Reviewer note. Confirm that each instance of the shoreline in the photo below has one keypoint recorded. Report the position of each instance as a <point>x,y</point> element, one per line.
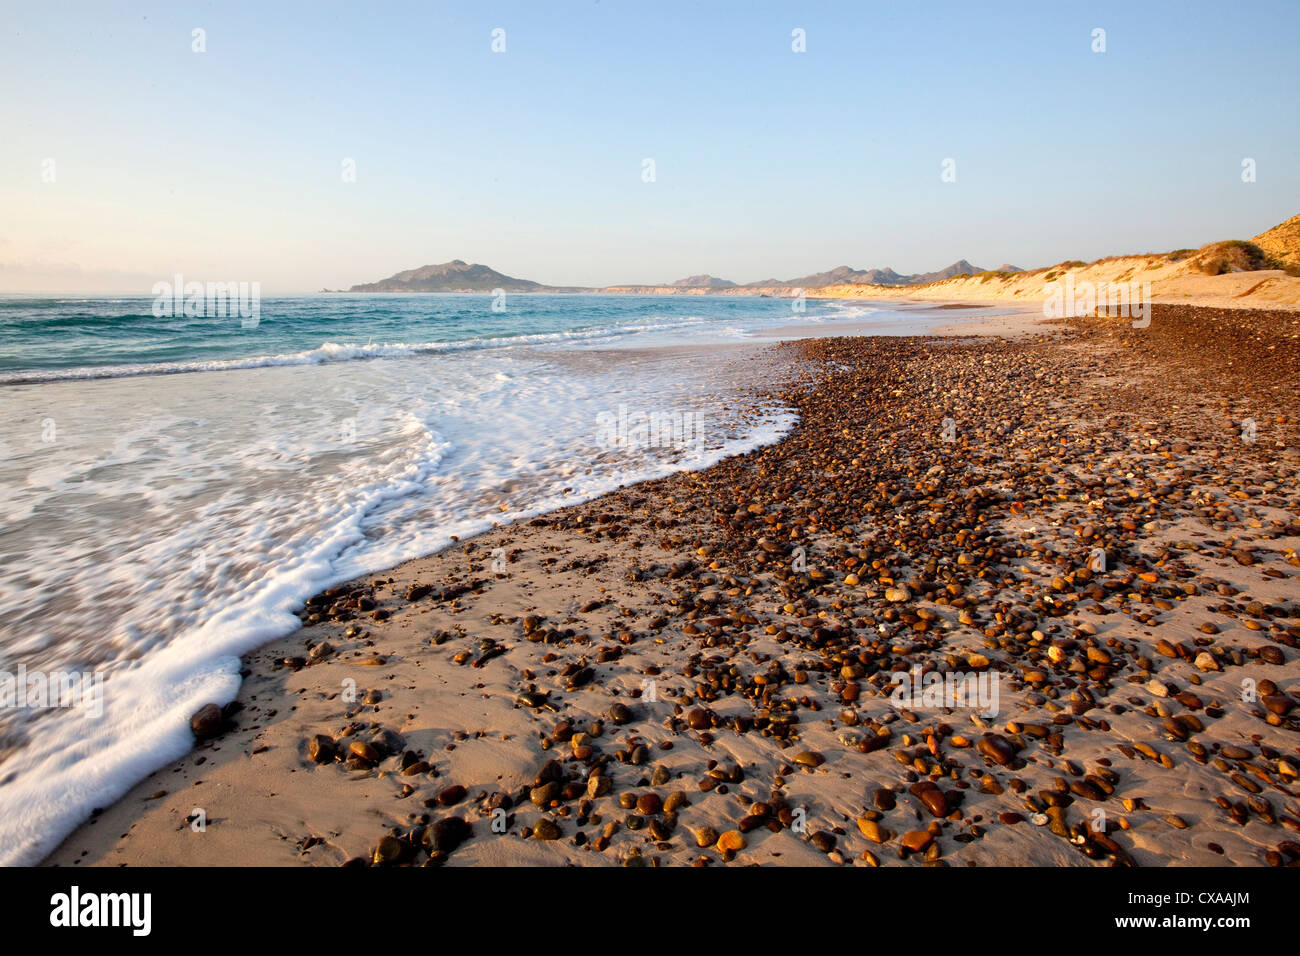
<point>1171,281</point>
<point>622,594</point>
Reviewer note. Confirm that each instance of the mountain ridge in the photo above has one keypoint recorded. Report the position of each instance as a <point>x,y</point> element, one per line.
<point>454,276</point>
<point>460,276</point>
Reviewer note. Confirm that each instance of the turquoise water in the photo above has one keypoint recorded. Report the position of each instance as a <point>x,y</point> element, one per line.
<point>43,338</point>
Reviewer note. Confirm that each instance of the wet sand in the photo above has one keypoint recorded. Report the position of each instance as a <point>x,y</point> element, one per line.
<point>700,670</point>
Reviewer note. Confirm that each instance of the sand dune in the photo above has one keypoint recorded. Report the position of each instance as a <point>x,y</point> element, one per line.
<point>1171,283</point>
<point>1220,275</point>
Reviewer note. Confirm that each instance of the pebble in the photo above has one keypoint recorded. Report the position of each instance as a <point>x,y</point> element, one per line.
<point>823,841</point>
<point>320,748</point>
<point>705,836</point>
<point>914,841</point>
<point>997,748</point>
<point>365,751</point>
<point>911,564</point>
<point>873,831</point>
<point>207,722</point>
<point>541,796</point>
<point>732,841</point>
<point>699,719</point>
<point>546,829</point>
<point>675,801</point>
<point>389,850</point>
<point>451,796</point>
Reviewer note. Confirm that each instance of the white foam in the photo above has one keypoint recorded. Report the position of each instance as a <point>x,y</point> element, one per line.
<point>249,470</point>
<point>341,352</point>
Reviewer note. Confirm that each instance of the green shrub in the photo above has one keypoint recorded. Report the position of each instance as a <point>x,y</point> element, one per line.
<point>1234,255</point>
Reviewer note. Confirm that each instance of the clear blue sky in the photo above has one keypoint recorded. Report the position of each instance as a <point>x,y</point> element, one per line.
<point>769,163</point>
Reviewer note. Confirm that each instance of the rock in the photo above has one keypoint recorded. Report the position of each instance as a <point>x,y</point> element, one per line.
<point>898,595</point>
<point>706,836</point>
<point>648,804</point>
<point>546,829</point>
<point>581,677</point>
<point>1278,704</point>
<point>733,841</point>
<point>914,841</point>
<point>446,835</point>
<point>542,795</point>
<point>206,722</point>
<point>1056,822</point>
<point>451,796</point>
<point>1087,790</point>
<point>675,801</point>
<point>809,758</point>
<point>873,831</point>
<point>320,749</point>
<point>932,797</point>
<point>620,714</point>
<point>997,748</point>
<point>365,751</point>
<point>699,719</point>
<point>390,850</point>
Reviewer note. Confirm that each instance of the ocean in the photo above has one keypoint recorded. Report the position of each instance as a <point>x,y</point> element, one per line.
<point>175,487</point>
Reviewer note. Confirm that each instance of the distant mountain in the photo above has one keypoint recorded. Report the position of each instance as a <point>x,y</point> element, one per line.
<point>454,276</point>
<point>459,276</point>
<point>959,268</point>
<point>837,276</point>
<point>703,281</point>
<point>1005,267</point>
<point>842,275</point>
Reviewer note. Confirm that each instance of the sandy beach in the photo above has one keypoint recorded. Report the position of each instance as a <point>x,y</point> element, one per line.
<point>1096,523</point>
